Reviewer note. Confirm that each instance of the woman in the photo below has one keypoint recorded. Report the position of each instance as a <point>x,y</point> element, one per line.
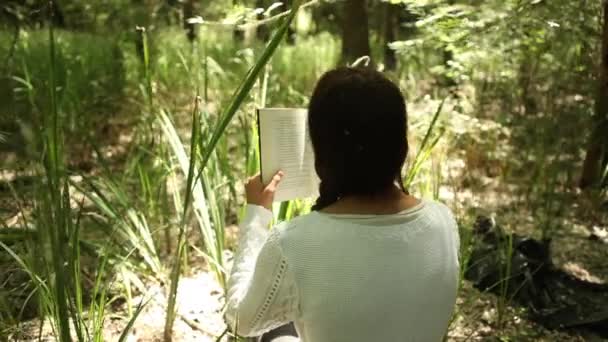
<point>370,262</point>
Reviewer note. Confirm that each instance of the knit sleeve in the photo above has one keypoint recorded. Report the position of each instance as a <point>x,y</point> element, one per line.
<point>261,292</point>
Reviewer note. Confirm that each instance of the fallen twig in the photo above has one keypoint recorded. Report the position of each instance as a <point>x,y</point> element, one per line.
<point>197,326</point>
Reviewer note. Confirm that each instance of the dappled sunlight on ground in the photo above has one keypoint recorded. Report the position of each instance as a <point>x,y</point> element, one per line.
<point>199,302</point>
<point>199,315</point>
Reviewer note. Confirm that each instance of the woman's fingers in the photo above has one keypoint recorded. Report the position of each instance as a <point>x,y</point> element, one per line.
<point>274,182</point>
<point>260,194</point>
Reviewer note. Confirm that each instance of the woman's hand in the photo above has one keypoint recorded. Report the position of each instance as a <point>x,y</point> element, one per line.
<point>260,194</point>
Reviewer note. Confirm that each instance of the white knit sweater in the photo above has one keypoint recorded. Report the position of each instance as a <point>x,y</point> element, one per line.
<point>347,277</point>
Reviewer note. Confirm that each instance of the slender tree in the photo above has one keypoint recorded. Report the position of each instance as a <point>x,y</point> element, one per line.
<point>262,31</point>
<point>391,22</point>
<point>291,32</point>
<point>13,19</point>
<point>596,159</point>
<point>448,57</point>
<point>355,30</point>
<point>190,28</point>
<point>237,34</point>
<point>325,18</point>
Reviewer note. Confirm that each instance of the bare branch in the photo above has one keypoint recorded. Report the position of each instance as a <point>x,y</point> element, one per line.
<point>254,24</point>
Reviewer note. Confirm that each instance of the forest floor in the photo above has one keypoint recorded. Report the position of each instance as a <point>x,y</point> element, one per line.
<point>200,297</point>
<point>200,301</point>
<point>199,319</point>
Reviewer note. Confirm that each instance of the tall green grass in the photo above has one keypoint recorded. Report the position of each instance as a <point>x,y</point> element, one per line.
<point>201,153</point>
<point>53,262</point>
<point>126,226</point>
<point>135,210</point>
<point>181,242</point>
<point>424,151</point>
<point>90,80</point>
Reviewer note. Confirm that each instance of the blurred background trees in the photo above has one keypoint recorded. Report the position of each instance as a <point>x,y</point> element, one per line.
<point>537,67</point>
<point>596,160</point>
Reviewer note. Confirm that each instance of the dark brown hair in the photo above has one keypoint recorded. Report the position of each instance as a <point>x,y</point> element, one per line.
<point>358,128</point>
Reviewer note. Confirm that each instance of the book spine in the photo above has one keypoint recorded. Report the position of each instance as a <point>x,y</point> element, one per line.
<point>257,112</point>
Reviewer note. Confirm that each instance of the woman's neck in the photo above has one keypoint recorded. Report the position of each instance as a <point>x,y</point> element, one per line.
<point>388,202</point>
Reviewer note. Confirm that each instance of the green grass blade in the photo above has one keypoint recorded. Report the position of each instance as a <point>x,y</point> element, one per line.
<point>284,210</point>
<point>243,90</point>
<point>40,283</point>
<point>54,203</point>
<point>429,131</point>
<point>425,149</point>
<point>125,333</point>
<point>181,243</point>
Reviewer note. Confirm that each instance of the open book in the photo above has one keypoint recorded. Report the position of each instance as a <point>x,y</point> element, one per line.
<point>285,145</point>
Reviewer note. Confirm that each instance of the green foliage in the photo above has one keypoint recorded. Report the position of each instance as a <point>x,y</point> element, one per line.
<point>425,149</point>
<point>53,261</point>
<point>488,41</point>
<point>88,80</point>
<point>312,56</point>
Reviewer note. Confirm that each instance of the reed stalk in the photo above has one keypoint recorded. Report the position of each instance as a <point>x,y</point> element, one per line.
<point>426,148</point>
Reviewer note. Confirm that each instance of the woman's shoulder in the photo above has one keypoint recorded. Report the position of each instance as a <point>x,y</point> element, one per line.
<point>292,232</point>
<point>439,208</point>
<point>435,211</point>
<point>445,217</point>
<point>298,222</point>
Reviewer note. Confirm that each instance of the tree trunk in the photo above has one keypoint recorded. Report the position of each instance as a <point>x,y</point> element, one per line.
<point>237,35</point>
<point>291,32</point>
<point>5,67</point>
<point>139,46</point>
<point>189,13</point>
<point>58,17</point>
<point>262,31</point>
<point>448,56</point>
<point>597,151</point>
<point>391,21</point>
<point>355,31</point>
<point>326,18</point>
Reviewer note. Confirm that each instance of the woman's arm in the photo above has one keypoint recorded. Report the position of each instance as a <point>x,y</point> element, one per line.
<point>261,293</point>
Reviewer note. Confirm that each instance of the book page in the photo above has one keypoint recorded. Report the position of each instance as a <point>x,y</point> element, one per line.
<point>285,145</point>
